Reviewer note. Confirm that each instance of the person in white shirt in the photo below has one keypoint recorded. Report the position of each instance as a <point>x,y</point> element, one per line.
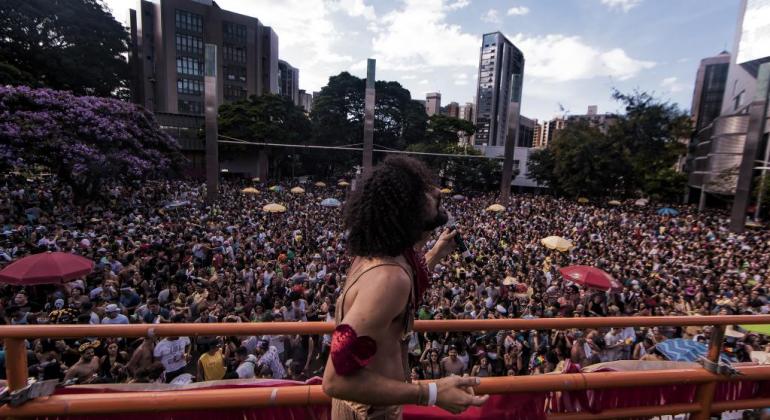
<point>247,363</point>
<point>173,353</point>
<point>113,315</point>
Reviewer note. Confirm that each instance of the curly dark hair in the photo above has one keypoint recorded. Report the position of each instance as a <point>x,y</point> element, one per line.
<point>386,214</point>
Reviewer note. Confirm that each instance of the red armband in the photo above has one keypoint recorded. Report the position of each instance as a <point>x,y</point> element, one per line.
<point>349,352</point>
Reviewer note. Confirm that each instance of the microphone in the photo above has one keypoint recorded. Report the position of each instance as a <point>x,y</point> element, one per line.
<point>459,242</point>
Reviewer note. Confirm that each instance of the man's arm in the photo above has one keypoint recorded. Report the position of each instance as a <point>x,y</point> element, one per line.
<point>376,305</point>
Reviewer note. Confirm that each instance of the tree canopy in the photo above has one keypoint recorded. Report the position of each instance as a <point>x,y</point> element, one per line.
<point>338,113</point>
<point>83,139</point>
<point>72,45</point>
<point>635,155</point>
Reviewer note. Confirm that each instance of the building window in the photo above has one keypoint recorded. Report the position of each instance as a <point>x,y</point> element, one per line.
<point>189,44</point>
<point>234,32</point>
<point>188,21</point>
<point>189,86</point>
<point>234,54</point>
<point>235,73</point>
<point>188,65</point>
<point>189,107</point>
<point>234,92</point>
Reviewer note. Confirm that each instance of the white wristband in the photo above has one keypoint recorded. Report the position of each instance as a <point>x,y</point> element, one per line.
<point>432,394</point>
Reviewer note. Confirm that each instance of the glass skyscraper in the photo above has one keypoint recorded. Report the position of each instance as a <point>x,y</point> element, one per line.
<point>501,72</point>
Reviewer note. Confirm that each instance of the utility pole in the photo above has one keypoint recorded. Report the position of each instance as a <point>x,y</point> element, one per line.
<point>212,130</point>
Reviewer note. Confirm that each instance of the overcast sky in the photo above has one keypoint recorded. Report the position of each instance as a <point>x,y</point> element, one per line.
<point>576,51</point>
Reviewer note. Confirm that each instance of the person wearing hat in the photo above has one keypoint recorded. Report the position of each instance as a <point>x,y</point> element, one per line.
<point>211,364</point>
<point>113,315</point>
<point>86,369</point>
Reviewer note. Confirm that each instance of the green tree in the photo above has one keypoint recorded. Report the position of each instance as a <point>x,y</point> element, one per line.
<point>338,119</point>
<point>266,118</point>
<point>637,154</point>
<point>65,44</point>
<point>473,174</point>
<point>580,161</point>
<point>338,113</point>
<point>650,133</point>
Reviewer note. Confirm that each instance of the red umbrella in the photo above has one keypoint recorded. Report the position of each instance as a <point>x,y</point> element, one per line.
<point>590,277</point>
<point>46,268</point>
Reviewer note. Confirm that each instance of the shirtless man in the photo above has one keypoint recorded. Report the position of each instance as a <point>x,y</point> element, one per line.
<point>86,368</point>
<point>389,218</point>
<point>142,357</point>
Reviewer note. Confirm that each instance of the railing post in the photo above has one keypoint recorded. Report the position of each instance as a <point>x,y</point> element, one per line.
<point>16,363</point>
<point>705,394</point>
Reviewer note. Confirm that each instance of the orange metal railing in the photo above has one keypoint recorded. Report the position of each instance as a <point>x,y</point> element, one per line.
<point>136,402</point>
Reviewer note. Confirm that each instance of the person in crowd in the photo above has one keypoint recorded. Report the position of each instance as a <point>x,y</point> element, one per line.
<point>86,369</point>
<point>174,353</point>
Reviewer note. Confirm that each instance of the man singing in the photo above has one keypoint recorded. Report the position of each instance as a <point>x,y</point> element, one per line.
<point>389,218</point>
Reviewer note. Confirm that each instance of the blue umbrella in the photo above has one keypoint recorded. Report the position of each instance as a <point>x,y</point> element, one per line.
<point>683,350</point>
<point>331,202</point>
<point>668,211</point>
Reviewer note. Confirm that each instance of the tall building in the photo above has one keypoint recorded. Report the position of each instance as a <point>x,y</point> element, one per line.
<point>592,110</point>
<point>466,112</point>
<point>723,153</point>
<point>526,133</point>
<point>537,135</point>
<point>288,81</point>
<point>501,72</point>
<point>433,103</point>
<point>168,39</point>
<point>305,100</point>
<point>550,129</point>
<point>710,82</point>
<point>453,110</point>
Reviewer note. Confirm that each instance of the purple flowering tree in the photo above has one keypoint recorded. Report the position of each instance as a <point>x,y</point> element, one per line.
<point>85,140</point>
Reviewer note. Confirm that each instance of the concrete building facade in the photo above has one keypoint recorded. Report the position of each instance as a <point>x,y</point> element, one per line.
<point>526,133</point>
<point>453,110</point>
<point>306,100</point>
<point>288,81</point>
<point>433,103</point>
<point>718,150</point>
<point>168,38</point>
<point>710,83</point>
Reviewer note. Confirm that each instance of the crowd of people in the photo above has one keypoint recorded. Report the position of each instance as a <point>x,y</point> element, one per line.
<point>163,256</point>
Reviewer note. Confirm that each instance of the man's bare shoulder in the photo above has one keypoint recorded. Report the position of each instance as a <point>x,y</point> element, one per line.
<point>384,290</point>
<point>388,277</point>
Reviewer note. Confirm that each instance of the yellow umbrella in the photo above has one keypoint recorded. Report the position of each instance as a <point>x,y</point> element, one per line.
<point>614,203</point>
<point>445,191</point>
<point>582,200</point>
<point>320,184</point>
<point>255,179</point>
<point>343,183</point>
<point>558,243</point>
<point>273,208</point>
<point>297,190</point>
<point>495,208</point>
<point>250,190</point>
